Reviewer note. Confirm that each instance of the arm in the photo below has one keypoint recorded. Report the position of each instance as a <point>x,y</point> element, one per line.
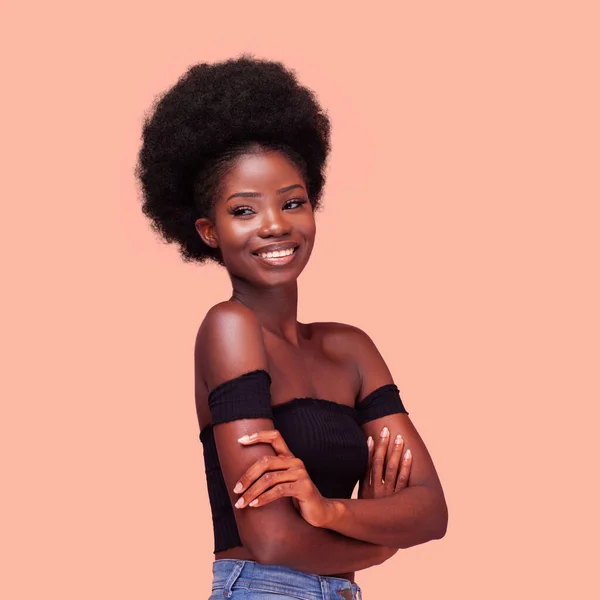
<point>230,343</point>
<point>415,514</point>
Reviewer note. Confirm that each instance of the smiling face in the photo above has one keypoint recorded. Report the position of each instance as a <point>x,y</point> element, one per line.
<point>263,221</point>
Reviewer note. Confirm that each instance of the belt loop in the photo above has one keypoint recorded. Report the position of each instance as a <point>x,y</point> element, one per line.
<point>233,577</point>
<point>324,586</point>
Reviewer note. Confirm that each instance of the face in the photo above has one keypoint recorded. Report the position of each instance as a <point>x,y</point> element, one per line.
<point>263,221</point>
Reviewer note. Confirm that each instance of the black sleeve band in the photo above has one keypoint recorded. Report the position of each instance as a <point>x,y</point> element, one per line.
<point>381,402</point>
<point>245,397</point>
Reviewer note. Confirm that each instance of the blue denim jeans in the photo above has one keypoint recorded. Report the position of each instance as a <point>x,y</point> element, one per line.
<point>248,580</point>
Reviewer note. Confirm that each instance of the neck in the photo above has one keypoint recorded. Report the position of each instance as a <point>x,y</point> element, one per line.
<point>275,308</point>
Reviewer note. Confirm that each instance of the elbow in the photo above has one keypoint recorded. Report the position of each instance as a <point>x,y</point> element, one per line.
<point>266,553</point>
<point>432,526</point>
<point>437,517</point>
<point>275,555</point>
<point>268,540</point>
<point>268,550</point>
<point>440,521</point>
<point>440,531</point>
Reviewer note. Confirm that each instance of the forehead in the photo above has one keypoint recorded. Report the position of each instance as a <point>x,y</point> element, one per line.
<point>262,172</point>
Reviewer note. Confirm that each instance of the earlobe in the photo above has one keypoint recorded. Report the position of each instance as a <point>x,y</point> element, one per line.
<point>206,231</point>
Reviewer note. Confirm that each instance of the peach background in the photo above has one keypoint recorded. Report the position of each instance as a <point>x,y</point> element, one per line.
<point>460,230</point>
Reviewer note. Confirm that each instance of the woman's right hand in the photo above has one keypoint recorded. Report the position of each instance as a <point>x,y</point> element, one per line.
<point>378,483</point>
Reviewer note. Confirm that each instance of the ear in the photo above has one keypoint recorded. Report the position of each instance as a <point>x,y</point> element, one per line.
<point>206,231</point>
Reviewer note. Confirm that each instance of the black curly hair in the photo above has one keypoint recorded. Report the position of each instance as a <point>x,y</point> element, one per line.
<point>212,115</point>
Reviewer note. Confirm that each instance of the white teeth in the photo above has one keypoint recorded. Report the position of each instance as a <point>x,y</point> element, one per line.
<point>277,253</point>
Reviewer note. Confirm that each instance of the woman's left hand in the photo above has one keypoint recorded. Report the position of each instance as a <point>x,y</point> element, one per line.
<point>274,477</point>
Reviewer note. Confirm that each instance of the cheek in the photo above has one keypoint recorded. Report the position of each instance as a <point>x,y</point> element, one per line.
<point>311,228</point>
<point>235,236</point>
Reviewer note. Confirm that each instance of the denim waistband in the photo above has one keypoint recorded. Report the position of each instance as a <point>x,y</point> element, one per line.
<point>230,574</point>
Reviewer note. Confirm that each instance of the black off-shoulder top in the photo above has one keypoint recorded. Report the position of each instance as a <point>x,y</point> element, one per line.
<point>325,435</point>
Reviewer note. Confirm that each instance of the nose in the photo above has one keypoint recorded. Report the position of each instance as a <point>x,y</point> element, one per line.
<point>274,223</point>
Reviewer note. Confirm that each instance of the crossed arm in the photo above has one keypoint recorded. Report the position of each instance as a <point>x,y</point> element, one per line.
<point>356,536</point>
<point>415,514</point>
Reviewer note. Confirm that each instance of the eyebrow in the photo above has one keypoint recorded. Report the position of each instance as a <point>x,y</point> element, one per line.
<point>282,190</point>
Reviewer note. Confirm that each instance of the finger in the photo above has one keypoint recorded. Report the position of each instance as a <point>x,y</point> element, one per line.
<point>404,471</point>
<point>261,466</point>
<point>391,469</point>
<point>282,490</point>
<point>379,456</point>
<point>364,489</point>
<point>267,481</point>
<point>267,436</point>
<point>370,446</point>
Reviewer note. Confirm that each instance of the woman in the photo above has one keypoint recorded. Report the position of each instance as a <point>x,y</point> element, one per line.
<point>232,169</point>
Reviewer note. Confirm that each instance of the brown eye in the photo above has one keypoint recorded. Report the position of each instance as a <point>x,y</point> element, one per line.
<point>297,203</point>
<point>241,211</point>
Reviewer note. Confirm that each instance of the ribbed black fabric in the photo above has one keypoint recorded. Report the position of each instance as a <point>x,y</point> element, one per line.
<point>245,397</point>
<point>383,401</point>
<point>225,530</point>
<point>325,435</point>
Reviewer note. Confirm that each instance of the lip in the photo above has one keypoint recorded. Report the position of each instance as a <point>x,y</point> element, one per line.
<point>280,261</point>
<point>276,247</point>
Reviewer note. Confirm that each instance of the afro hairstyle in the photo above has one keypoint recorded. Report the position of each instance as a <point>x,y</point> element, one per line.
<point>212,115</point>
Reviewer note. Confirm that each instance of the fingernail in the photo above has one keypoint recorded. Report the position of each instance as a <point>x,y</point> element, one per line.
<point>238,488</point>
<point>398,440</point>
<point>239,503</point>
<point>254,502</point>
<point>370,442</point>
<point>407,455</point>
<point>384,432</point>
<point>244,438</point>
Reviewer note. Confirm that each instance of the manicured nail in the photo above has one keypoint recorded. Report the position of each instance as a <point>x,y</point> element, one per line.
<point>240,502</point>
<point>398,440</point>
<point>370,442</point>
<point>244,438</point>
<point>254,502</point>
<point>238,488</point>
<point>384,432</point>
<point>407,455</point>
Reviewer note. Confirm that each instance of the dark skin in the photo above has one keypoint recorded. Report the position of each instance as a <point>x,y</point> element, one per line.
<point>263,200</point>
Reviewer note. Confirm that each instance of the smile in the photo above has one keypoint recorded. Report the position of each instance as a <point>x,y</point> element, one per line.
<point>278,258</point>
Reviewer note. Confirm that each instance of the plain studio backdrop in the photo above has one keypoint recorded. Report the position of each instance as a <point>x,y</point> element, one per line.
<point>460,230</point>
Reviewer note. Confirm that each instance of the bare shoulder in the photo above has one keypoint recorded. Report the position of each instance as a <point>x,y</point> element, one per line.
<point>229,343</point>
<point>342,337</point>
<point>225,315</point>
<point>352,344</point>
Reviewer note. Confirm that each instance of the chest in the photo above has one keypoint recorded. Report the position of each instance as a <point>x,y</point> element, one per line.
<point>310,372</point>
<point>327,438</point>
